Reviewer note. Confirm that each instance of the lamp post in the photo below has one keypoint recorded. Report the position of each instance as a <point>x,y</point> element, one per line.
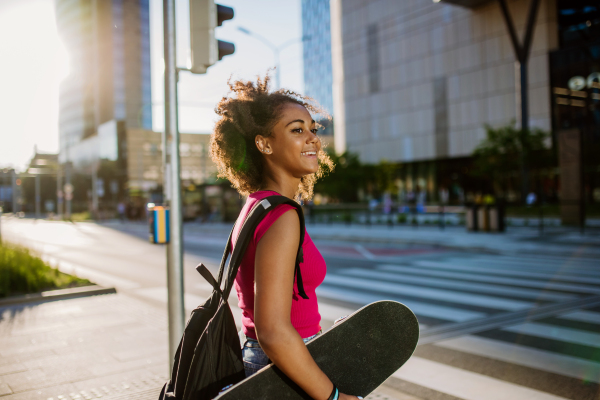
<point>276,49</point>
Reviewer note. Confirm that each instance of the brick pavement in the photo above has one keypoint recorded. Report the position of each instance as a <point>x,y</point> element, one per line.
<point>95,347</point>
<point>109,346</point>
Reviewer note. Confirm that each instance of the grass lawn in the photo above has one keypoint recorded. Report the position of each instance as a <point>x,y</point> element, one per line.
<point>22,272</point>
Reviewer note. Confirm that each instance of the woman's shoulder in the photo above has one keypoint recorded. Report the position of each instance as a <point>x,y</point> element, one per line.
<point>272,216</point>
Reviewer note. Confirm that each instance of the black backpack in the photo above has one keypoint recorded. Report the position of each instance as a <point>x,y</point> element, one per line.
<point>209,356</point>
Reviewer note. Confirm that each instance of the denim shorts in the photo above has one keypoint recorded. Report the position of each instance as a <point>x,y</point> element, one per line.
<point>254,357</point>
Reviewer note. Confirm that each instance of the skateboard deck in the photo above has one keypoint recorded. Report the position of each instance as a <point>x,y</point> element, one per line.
<point>358,354</point>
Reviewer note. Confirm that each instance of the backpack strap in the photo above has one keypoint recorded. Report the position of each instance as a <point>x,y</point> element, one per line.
<point>255,216</point>
<point>226,253</point>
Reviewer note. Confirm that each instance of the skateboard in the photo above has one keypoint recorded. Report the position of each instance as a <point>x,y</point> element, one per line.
<point>358,354</point>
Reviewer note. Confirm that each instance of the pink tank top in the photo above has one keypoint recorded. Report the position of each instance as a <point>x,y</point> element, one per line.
<point>305,315</point>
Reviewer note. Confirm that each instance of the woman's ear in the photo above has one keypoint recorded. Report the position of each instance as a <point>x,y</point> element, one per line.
<point>262,144</point>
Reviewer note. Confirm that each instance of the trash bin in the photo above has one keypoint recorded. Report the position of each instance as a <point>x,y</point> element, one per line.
<point>483,220</point>
<point>158,223</point>
<point>471,218</point>
<point>496,218</point>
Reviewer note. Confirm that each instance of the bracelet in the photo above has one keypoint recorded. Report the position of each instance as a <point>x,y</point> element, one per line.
<point>334,394</point>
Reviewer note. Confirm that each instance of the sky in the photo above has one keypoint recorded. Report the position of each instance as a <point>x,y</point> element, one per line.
<point>34,61</point>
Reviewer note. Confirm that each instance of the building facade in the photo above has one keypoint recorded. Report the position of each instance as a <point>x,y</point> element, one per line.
<point>108,43</point>
<point>417,81</point>
<point>318,77</point>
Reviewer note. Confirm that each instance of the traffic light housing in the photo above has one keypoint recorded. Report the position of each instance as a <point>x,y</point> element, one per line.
<point>205,16</point>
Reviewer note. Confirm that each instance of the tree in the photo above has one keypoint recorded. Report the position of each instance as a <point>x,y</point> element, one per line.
<point>498,156</point>
<point>344,181</point>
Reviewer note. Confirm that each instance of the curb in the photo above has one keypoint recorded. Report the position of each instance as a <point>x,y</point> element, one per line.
<point>60,294</point>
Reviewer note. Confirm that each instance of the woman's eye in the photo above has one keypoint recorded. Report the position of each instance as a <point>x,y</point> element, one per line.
<point>299,130</point>
<point>314,131</point>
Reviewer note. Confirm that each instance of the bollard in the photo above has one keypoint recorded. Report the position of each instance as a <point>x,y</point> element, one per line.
<point>471,218</point>
<point>483,219</point>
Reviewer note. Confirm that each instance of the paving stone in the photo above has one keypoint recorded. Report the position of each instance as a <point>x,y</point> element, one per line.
<point>12,368</point>
<point>4,389</point>
<point>42,394</point>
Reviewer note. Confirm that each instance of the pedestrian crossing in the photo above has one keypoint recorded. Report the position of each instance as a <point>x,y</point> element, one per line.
<point>554,357</point>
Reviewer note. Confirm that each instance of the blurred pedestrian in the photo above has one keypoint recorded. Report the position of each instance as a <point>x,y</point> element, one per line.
<point>531,199</point>
<point>121,211</point>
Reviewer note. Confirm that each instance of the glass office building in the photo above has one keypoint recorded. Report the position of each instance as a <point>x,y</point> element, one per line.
<point>317,54</point>
<point>108,43</point>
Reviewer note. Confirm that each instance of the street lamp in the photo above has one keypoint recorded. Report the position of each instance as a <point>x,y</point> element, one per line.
<point>276,49</point>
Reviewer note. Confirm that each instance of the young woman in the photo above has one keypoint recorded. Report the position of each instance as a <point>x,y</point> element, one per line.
<point>265,143</point>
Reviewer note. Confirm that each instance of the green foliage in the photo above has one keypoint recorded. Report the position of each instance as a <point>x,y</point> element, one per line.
<point>22,273</point>
<point>401,218</point>
<point>382,177</point>
<point>350,176</point>
<point>345,180</point>
<point>82,216</point>
<point>499,155</point>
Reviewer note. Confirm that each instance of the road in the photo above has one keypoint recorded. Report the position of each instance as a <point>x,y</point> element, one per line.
<point>492,326</point>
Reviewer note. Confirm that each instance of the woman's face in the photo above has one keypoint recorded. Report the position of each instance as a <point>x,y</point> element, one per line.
<point>294,145</point>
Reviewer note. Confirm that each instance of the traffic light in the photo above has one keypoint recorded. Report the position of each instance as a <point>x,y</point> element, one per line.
<point>205,16</point>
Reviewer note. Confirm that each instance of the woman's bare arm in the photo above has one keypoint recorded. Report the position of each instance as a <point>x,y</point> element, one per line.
<point>274,279</point>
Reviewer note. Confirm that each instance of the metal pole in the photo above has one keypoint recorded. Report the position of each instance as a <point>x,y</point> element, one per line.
<point>37,197</point>
<point>59,192</point>
<point>277,69</point>
<point>95,190</point>
<point>174,253</point>
<point>522,55</point>
<point>524,125</point>
<point>68,196</point>
<point>14,192</point>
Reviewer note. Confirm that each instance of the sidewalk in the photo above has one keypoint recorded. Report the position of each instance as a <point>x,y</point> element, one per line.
<point>106,346</point>
<point>109,346</point>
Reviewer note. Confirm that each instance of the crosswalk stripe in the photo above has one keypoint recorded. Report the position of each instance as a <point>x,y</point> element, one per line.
<point>579,261</point>
<point>526,356</point>
<point>541,266</point>
<point>506,271</point>
<point>364,252</point>
<point>556,333</point>
<point>469,286</point>
<point>583,316</point>
<point>577,288</point>
<point>426,293</point>
<point>419,308</point>
<point>465,384</point>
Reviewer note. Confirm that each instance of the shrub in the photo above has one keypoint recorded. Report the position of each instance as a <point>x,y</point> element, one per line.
<point>22,273</point>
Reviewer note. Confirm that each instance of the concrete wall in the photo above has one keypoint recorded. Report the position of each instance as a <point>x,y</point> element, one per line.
<point>441,72</point>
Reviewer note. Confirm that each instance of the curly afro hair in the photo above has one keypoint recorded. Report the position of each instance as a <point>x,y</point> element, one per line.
<point>250,109</point>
